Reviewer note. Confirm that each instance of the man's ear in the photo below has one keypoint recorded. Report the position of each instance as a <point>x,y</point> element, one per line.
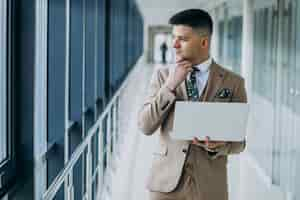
<point>204,42</point>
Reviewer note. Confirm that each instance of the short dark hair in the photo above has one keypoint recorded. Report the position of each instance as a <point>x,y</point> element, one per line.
<point>195,18</point>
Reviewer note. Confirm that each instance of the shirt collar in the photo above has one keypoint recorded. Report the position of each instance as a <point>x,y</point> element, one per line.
<point>204,66</point>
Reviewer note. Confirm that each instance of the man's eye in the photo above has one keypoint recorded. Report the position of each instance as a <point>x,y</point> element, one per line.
<point>184,38</point>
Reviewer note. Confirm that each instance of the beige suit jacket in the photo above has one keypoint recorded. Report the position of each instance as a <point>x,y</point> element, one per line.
<point>158,112</point>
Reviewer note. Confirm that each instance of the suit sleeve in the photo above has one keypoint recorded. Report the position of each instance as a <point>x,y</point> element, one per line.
<point>156,106</point>
<point>239,95</point>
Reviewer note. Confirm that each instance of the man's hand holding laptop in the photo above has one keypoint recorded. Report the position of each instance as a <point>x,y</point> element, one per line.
<point>208,144</point>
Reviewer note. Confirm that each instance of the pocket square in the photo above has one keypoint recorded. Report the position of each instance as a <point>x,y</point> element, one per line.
<point>224,93</point>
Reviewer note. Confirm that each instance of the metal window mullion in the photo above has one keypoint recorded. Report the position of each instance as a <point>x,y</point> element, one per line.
<point>117,122</point>
<point>96,77</point>
<point>68,184</point>
<point>278,102</point>
<point>40,98</point>
<point>100,159</point>
<point>1,179</point>
<point>67,81</point>
<point>83,108</point>
<point>114,127</point>
<point>118,119</point>
<point>89,171</point>
<point>293,159</point>
<point>96,61</point>
<point>108,138</point>
<point>292,147</point>
<point>3,79</point>
<point>95,174</point>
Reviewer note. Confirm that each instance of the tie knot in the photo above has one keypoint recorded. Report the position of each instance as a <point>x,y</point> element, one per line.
<point>195,69</point>
<point>193,74</point>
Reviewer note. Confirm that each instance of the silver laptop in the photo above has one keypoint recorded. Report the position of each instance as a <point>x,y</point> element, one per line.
<point>219,121</point>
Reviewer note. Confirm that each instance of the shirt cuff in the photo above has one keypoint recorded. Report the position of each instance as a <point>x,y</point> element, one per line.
<point>167,97</point>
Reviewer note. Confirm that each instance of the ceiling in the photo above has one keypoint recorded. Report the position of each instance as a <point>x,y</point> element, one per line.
<point>157,12</point>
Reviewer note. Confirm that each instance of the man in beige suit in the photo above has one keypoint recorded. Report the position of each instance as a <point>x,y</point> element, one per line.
<point>189,170</point>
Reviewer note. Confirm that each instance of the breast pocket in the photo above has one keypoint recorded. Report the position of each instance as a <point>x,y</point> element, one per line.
<point>218,99</point>
<point>223,95</point>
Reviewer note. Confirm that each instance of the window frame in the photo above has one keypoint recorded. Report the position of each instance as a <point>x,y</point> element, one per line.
<point>8,165</point>
<point>5,68</point>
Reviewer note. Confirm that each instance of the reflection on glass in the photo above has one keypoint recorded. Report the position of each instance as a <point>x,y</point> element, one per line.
<point>262,118</point>
<point>235,25</point>
<point>286,148</point>
<point>233,40</point>
<point>221,41</point>
<point>3,133</point>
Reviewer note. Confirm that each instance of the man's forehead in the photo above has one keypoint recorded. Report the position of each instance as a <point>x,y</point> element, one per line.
<point>182,30</point>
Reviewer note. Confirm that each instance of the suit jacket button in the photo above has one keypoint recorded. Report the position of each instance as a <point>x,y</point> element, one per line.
<point>184,150</point>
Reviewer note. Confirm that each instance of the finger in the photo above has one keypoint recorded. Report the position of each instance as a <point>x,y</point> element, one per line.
<point>212,145</point>
<point>221,143</point>
<point>190,69</point>
<point>179,59</point>
<point>187,64</point>
<point>184,64</point>
<point>206,140</point>
<point>194,141</point>
<point>217,144</point>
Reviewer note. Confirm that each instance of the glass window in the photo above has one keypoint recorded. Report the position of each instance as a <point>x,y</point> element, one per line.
<point>296,152</point>
<point>56,87</point>
<point>3,81</point>
<point>235,25</point>
<point>221,40</point>
<point>264,69</point>
<point>286,135</point>
<point>297,84</point>
<point>278,158</point>
<point>89,53</point>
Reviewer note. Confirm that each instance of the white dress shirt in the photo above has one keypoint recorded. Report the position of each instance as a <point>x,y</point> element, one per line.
<point>202,74</point>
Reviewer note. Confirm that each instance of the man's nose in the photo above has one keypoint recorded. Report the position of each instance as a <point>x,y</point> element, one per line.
<point>176,44</point>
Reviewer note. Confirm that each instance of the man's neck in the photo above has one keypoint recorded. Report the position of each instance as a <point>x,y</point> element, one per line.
<point>201,60</point>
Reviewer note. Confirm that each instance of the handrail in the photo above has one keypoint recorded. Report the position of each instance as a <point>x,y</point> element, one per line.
<point>62,176</point>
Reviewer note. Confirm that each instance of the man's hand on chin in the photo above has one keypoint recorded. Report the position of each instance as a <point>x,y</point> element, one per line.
<point>208,144</point>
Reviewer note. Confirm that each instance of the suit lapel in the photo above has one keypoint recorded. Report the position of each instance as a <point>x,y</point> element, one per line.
<point>183,91</point>
<point>215,79</point>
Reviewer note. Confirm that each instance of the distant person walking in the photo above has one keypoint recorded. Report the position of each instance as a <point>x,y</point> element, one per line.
<point>163,49</point>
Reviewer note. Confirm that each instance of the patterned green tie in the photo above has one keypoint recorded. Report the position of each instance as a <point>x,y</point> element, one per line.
<point>191,87</point>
